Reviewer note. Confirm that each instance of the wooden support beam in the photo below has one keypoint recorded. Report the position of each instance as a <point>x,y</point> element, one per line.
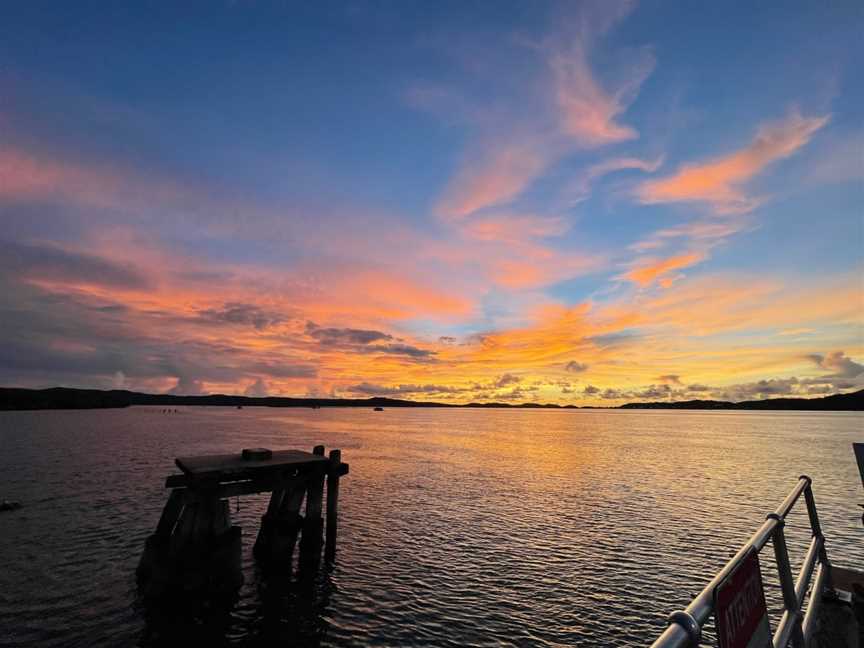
<point>184,531</point>
<point>334,471</point>
<point>278,534</point>
<point>170,515</point>
<point>209,508</point>
<point>235,488</point>
<point>313,525</point>
<point>283,490</point>
<point>222,519</point>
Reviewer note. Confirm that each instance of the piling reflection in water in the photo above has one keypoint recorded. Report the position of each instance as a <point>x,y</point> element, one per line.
<point>290,609</point>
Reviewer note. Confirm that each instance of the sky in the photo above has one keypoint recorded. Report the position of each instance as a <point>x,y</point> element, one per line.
<point>580,203</point>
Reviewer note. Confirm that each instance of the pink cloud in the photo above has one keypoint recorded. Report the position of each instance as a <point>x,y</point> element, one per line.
<point>515,228</point>
<point>567,110</point>
<point>25,176</point>
<point>580,188</point>
<point>587,111</point>
<point>719,182</point>
<point>495,175</point>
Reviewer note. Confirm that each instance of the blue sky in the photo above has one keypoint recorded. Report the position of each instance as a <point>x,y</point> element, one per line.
<point>524,178</point>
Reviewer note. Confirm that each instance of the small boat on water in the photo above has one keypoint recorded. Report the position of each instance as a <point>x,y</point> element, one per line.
<point>6,505</point>
<point>379,409</point>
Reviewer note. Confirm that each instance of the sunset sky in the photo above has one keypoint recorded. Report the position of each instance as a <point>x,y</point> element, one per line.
<point>586,203</point>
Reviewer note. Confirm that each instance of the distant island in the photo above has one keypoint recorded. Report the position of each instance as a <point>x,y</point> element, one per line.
<point>12,398</point>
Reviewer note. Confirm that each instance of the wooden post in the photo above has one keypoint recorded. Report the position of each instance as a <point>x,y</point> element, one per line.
<point>284,527</point>
<point>313,525</point>
<point>333,470</point>
<point>170,514</point>
<point>184,534</point>
<point>265,531</point>
<point>222,521</point>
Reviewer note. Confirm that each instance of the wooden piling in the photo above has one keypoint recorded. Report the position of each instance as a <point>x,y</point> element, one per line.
<point>313,525</point>
<point>170,514</point>
<point>262,541</point>
<point>333,474</point>
<point>195,547</point>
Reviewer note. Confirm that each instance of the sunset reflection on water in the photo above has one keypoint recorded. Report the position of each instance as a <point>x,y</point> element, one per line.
<point>458,527</point>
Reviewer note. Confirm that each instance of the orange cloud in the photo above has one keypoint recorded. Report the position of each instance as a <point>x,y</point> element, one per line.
<point>647,273</point>
<point>495,175</point>
<point>719,182</point>
<point>514,228</point>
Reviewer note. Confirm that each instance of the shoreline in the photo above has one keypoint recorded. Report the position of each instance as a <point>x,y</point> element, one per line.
<point>63,398</point>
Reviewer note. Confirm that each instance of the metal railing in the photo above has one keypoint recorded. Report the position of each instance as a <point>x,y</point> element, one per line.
<point>796,625</point>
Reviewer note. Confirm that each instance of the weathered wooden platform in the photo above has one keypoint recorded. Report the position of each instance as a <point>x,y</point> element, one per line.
<point>195,546</point>
<point>229,466</point>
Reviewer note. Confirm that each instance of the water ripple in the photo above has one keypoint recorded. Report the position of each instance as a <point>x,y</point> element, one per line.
<point>458,528</point>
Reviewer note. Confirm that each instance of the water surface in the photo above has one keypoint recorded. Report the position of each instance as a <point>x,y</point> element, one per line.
<point>457,527</point>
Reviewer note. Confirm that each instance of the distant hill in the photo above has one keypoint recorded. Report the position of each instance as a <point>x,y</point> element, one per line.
<point>837,402</point>
<point>66,398</point>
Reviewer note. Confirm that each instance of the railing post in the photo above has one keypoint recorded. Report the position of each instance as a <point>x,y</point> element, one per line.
<point>817,530</point>
<point>787,584</point>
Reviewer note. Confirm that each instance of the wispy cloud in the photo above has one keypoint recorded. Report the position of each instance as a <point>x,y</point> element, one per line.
<point>703,233</point>
<point>51,263</point>
<point>588,111</point>
<point>495,173</point>
<point>580,188</point>
<point>646,272</point>
<point>27,176</point>
<point>571,109</point>
<point>721,182</point>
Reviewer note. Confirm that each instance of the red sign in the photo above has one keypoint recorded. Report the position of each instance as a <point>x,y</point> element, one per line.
<point>739,607</point>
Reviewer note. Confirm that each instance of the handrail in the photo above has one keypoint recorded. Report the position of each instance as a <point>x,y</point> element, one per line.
<point>796,625</point>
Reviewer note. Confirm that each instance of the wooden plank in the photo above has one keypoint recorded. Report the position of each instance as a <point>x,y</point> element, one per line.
<point>316,488</point>
<point>184,531</point>
<point>310,543</point>
<point>263,482</point>
<point>333,473</point>
<point>315,496</point>
<point>846,579</point>
<point>859,457</point>
<point>209,508</point>
<point>290,509</point>
<point>234,465</point>
<point>170,514</point>
<point>284,538</point>
<point>222,520</point>
<point>245,487</point>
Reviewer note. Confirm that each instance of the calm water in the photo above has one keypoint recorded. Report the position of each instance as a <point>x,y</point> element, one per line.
<point>458,527</point>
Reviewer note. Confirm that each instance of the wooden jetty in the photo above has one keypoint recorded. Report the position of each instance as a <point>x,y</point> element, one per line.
<point>196,548</point>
